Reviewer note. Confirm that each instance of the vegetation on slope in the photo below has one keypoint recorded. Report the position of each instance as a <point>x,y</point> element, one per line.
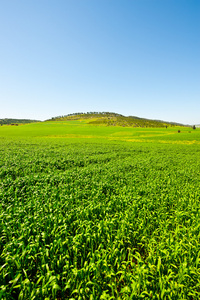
<point>114,119</point>
<point>16,121</point>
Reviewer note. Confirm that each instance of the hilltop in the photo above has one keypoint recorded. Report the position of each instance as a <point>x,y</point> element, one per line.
<point>114,119</point>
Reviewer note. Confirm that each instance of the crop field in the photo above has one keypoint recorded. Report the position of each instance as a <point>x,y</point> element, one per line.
<point>96,212</point>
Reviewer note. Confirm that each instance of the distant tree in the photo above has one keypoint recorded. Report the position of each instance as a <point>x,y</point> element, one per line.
<point>193,127</point>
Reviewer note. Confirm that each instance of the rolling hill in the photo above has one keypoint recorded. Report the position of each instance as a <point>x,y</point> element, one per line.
<point>8,121</point>
<point>114,119</point>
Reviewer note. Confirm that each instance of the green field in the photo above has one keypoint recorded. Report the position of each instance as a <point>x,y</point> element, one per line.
<point>99,212</point>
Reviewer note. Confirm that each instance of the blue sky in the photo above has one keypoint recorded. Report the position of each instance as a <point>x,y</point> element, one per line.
<point>133,57</point>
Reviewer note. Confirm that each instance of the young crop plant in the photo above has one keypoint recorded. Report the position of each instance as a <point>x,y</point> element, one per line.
<point>86,219</point>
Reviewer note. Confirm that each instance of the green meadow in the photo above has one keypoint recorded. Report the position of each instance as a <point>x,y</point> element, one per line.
<point>81,130</point>
<point>99,212</point>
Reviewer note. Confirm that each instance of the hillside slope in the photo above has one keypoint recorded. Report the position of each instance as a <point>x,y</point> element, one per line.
<point>16,121</point>
<point>114,119</point>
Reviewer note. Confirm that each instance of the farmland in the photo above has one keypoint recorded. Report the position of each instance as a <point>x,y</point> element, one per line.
<point>96,212</point>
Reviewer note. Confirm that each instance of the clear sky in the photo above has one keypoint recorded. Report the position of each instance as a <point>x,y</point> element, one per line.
<point>133,57</point>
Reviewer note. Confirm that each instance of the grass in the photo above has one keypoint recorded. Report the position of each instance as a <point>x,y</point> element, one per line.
<point>82,129</point>
<point>90,212</point>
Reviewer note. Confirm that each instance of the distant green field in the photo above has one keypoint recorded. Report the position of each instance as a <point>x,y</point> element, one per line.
<point>81,130</point>
<point>98,212</point>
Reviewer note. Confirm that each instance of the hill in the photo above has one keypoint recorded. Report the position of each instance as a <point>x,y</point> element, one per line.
<point>114,119</point>
<point>16,121</point>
